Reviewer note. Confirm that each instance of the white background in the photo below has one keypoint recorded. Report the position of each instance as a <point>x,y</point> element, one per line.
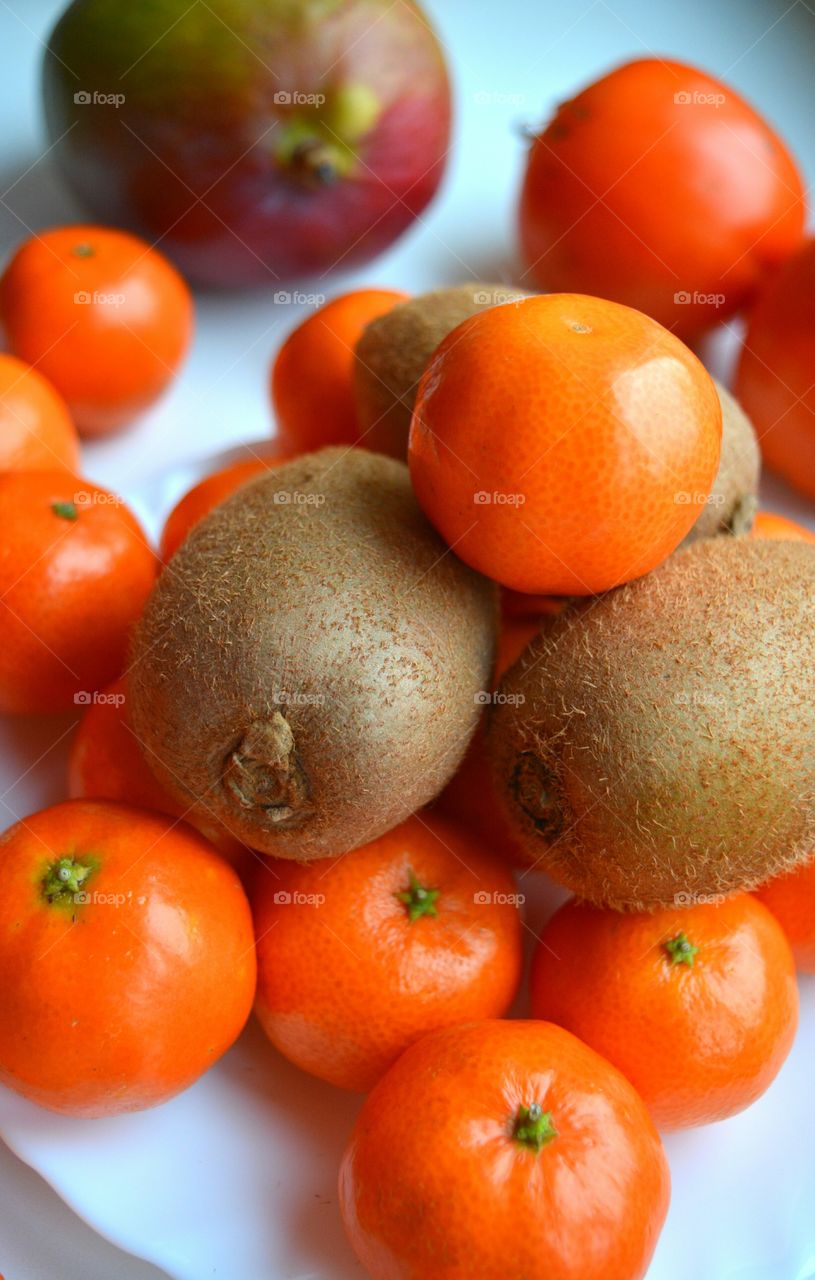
<point>511,62</point>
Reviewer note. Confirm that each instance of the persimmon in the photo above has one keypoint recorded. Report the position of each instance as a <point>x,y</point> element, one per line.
<point>498,1149</point>
<point>127,956</point>
<point>697,1005</point>
<point>75,573</point>
<point>37,432</point>
<point>360,957</point>
<point>563,445</point>
<point>102,315</point>
<point>660,187</point>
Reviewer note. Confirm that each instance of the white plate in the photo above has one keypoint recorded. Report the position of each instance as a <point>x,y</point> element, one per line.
<point>237,1177</point>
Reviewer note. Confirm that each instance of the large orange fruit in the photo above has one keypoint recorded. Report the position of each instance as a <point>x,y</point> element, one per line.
<point>503,1149</point>
<point>697,1005</point>
<point>563,444</point>
<point>127,957</point>
<point>660,187</point>
<point>359,958</point>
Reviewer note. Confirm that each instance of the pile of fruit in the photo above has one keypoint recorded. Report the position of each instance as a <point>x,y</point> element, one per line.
<point>494,600</point>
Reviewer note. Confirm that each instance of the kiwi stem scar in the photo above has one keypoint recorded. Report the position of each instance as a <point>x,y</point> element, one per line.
<point>535,789</point>
<point>263,773</point>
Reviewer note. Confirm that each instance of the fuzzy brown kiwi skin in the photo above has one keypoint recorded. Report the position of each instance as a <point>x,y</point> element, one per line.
<point>733,503</point>
<point>393,352</point>
<point>306,669</point>
<point>657,745</point>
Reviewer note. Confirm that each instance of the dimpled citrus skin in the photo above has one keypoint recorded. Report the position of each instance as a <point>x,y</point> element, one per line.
<point>563,445</point>
<point>434,1187</point>
<point>119,1001</point>
<point>699,1041</point>
<point>75,573</point>
<point>660,187</point>
<point>347,980</point>
<point>791,898</point>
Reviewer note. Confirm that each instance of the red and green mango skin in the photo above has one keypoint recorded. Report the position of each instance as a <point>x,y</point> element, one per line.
<point>209,155</point>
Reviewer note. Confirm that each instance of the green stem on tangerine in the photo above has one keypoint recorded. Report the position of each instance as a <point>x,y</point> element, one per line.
<point>83,250</point>
<point>65,878</point>
<point>65,510</point>
<point>419,900</point>
<point>533,1127</point>
<point>681,950</point>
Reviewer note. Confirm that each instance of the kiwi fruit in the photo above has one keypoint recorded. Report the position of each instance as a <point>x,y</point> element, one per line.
<point>733,502</point>
<point>393,351</point>
<point>308,668</point>
<point>656,746</point>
